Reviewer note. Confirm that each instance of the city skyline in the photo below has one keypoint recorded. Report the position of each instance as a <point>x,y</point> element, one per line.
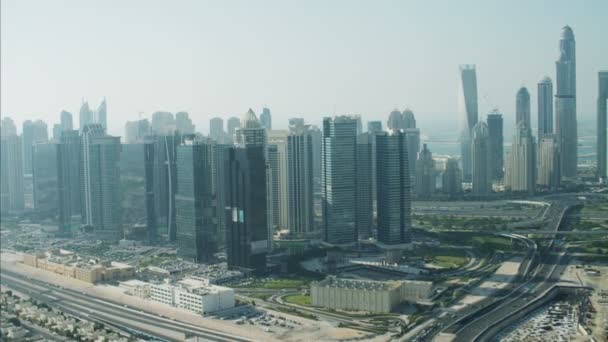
<point>340,76</point>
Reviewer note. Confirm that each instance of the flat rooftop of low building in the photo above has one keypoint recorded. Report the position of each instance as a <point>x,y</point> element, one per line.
<point>368,285</point>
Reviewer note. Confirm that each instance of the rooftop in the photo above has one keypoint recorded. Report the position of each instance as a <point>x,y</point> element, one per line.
<point>368,285</point>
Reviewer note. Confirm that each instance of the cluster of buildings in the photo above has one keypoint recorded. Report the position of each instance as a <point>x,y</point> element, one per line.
<point>367,295</point>
<point>231,190</point>
<point>72,266</point>
<point>193,294</point>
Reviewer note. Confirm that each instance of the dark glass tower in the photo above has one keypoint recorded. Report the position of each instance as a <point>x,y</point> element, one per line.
<point>565,104</point>
<point>394,188</point>
<point>246,212</point>
<point>495,131</point>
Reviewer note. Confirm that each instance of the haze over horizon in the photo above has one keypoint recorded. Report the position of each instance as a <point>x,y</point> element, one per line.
<point>307,59</point>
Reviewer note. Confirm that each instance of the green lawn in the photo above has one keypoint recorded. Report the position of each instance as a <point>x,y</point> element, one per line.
<point>448,261</point>
<point>298,299</point>
<point>279,283</point>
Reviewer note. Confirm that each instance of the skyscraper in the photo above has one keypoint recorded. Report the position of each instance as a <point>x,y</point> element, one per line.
<point>101,115</point>
<point>548,162</point>
<point>136,131</point>
<point>408,118</point>
<point>374,126</point>
<point>339,179</point>
<point>413,145</point>
<point>451,179</point>
<point>277,178</point>
<point>495,130</point>
<point>363,165</point>
<point>522,107</point>
<point>85,115</point>
<point>216,129</point>
<point>469,115</point>
<point>545,107</point>
<point>7,127</point>
<point>12,199</point>
<point>68,175</point>
<point>300,180</point>
<point>246,208</point>
<point>266,119</point>
<point>565,104</point>
<point>521,162</point>
<point>33,132</point>
<point>56,132</point>
<point>183,123</point>
<point>44,171</point>
<point>66,121</point>
<point>250,133</point>
<point>197,235</point>
<point>394,188</point>
<point>232,125</point>
<point>481,158</point>
<point>163,123</point>
<point>100,190</point>
<point>425,175</point>
<point>602,99</point>
<point>395,120</point>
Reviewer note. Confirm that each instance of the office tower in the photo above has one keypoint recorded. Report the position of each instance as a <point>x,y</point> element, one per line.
<point>161,185</point>
<point>395,120</point>
<point>101,115</point>
<point>425,175</point>
<point>521,162</point>
<point>12,199</point>
<point>481,158</point>
<point>277,178</point>
<point>136,131</point>
<point>300,180</point>
<point>374,126</point>
<point>295,124</point>
<point>250,133</point>
<point>522,107</point>
<point>33,132</point>
<point>548,162</point>
<point>218,185</point>
<point>100,190</point>
<point>163,123</point>
<point>194,202</point>
<point>469,116</point>
<point>359,124</point>
<point>85,115</point>
<point>232,125</point>
<point>68,175</point>
<point>56,132</point>
<point>495,130</point>
<point>183,123</point>
<point>133,190</point>
<point>545,107</point>
<point>317,138</point>
<point>565,104</point>
<point>246,209</point>
<point>216,129</point>
<point>364,209</point>
<point>602,100</point>
<point>45,185</point>
<point>408,118</point>
<point>7,127</point>
<point>66,121</point>
<point>413,145</point>
<point>394,188</point>
<point>451,179</point>
<point>266,118</point>
<point>339,179</point>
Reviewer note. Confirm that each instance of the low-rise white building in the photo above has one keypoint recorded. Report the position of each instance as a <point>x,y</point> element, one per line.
<point>367,295</point>
<point>193,295</point>
<point>136,288</point>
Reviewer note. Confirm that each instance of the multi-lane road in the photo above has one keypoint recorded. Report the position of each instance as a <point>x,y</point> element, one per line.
<point>117,314</point>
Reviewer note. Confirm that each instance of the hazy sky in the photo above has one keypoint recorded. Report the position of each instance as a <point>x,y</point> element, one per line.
<point>301,58</point>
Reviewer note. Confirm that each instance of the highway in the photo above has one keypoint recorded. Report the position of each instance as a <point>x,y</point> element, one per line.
<point>544,274</point>
<point>94,308</point>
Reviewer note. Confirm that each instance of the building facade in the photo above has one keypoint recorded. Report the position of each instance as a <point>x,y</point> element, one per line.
<point>425,175</point>
<point>522,106</point>
<point>545,107</point>
<point>482,171</point>
<point>394,188</point>
<point>521,163</point>
<point>300,181</point>
<point>469,115</point>
<point>495,130</point>
<point>602,104</point>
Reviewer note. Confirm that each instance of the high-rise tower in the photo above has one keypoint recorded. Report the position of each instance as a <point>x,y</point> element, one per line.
<point>602,103</point>
<point>545,107</point>
<point>495,130</point>
<point>266,118</point>
<point>522,107</point>
<point>521,163</point>
<point>469,115</point>
<point>481,159</point>
<point>565,104</point>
